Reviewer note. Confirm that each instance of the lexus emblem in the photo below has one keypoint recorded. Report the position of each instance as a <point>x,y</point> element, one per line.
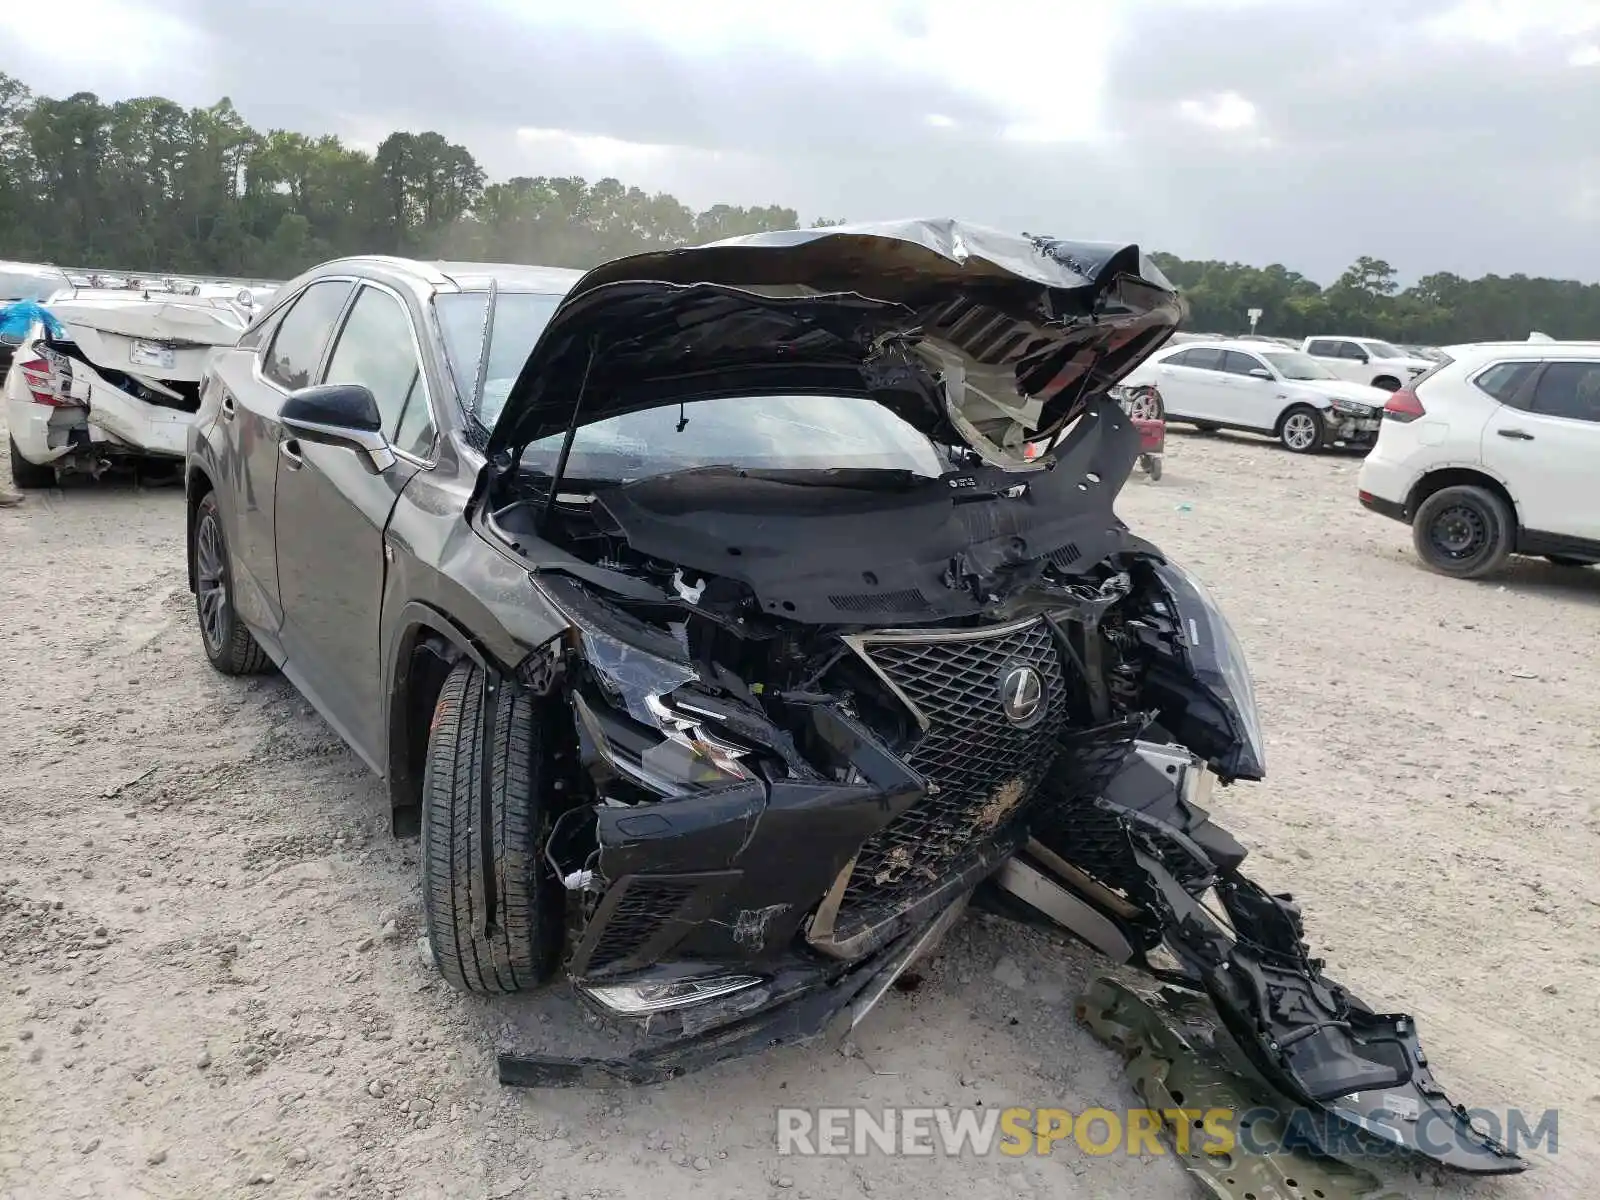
<point>1022,695</point>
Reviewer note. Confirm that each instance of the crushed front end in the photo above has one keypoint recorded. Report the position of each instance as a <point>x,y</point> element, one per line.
<point>811,710</point>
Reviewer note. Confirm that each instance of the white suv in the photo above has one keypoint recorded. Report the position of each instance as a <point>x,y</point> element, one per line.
<point>1496,451</point>
<point>1371,361</point>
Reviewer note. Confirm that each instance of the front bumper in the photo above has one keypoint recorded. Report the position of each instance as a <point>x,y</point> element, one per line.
<point>1353,431</point>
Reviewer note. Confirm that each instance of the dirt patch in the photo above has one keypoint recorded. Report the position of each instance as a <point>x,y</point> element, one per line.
<point>260,1022</point>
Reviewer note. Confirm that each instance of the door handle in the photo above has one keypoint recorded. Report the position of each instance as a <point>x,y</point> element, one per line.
<point>289,451</point>
<point>228,406</point>
<point>1515,435</point>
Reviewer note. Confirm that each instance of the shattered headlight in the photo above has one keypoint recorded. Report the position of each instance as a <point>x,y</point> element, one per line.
<point>1353,408</point>
<point>1216,661</point>
<point>632,720</point>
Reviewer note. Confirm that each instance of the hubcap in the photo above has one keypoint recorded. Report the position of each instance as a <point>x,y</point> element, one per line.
<point>1459,533</point>
<point>211,586</point>
<point>1300,431</point>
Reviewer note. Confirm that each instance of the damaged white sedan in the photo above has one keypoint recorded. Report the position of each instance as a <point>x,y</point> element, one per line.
<point>99,381</point>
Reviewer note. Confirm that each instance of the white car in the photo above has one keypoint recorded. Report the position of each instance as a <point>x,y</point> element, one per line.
<point>1367,360</point>
<point>1495,452</point>
<point>1262,388</point>
<point>119,379</point>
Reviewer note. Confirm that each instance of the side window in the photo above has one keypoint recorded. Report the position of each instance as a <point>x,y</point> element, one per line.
<point>1322,348</point>
<point>1184,358</point>
<point>1206,359</point>
<point>296,351</point>
<point>1568,389</point>
<point>375,348</point>
<point>1236,363</point>
<point>1348,350</point>
<point>1504,380</point>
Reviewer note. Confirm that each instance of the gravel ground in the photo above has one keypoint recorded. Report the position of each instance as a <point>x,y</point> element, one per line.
<point>210,980</point>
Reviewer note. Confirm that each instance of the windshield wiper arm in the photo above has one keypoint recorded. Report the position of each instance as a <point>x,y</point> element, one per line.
<point>483,349</point>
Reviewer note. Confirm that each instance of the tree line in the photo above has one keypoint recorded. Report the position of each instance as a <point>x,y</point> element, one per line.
<point>149,185</point>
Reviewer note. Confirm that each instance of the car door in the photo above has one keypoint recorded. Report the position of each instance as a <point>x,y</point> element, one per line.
<point>252,380</point>
<point>1251,401</point>
<point>1545,443</point>
<point>1330,353</point>
<point>332,512</point>
<point>1188,383</point>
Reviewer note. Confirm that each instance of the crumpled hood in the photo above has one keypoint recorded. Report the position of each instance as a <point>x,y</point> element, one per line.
<point>1340,389</point>
<point>968,333</point>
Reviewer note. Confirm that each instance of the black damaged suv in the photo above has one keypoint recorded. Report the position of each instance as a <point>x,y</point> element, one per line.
<point>709,618</point>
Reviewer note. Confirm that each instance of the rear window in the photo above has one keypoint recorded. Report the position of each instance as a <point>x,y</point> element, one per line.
<point>1205,359</point>
<point>1569,389</point>
<point>1502,381</point>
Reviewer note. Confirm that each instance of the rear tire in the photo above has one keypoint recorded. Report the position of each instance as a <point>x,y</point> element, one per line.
<point>521,951</point>
<point>1465,532</point>
<point>28,475</point>
<point>1567,560</point>
<point>1302,430</point>
<point>228,643</point>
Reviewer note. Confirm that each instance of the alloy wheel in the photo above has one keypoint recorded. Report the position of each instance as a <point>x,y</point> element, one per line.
<point>211,583</point>
<point>1300,431</point>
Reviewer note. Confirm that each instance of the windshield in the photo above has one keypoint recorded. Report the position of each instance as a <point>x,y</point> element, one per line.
<point>519,319</point>
<point>1291,364</point>
<point>794,433</point>
<point>1383,350</point>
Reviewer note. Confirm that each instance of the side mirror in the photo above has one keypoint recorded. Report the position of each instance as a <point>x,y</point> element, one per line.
<point>340,414</point>
<point>1362,355</point>
<point>1260,373</point>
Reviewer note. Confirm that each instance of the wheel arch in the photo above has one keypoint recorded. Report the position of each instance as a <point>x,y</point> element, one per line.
<point>1440,478</point>
<point>196,486</point>
<point>1319,405</point>
<point>429,643</point>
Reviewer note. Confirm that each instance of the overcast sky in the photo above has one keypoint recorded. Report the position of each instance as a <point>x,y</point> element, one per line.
<point>1437,135</point>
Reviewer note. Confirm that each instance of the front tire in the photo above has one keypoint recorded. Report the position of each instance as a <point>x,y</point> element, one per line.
<point>228,644</point>
<point>1465,532</point>
<point>1302,430</point>
<point>29,475</point>
<point>519,953</point>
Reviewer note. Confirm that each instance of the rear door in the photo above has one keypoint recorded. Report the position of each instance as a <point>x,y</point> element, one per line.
<point>332,513</point>
<point>1189,383</point>
<point>1545,443</point>
<point>253,379</point>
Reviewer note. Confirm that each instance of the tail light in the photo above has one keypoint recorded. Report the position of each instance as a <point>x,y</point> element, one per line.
<point>39,376</point>
<point>1404,406</point>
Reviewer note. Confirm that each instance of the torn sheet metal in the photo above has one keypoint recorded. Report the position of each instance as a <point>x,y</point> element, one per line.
<point>1178,1071</point>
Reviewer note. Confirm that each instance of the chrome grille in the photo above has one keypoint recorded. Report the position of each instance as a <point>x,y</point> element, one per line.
<point>982,769</point>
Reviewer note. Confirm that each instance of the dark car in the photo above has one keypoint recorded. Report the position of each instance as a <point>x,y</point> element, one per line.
<point>710,620</point>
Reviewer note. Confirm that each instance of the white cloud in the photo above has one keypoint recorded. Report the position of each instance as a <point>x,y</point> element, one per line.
<point>1040,65</point>
<point>1227,111</point>
<point>1497,22</point>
